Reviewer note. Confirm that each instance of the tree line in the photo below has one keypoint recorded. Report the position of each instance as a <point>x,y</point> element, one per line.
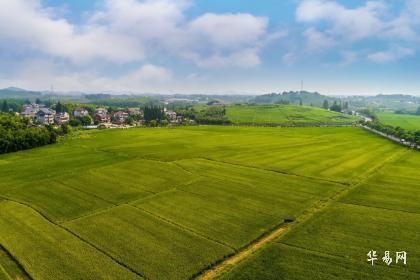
<point>410,136</point>
<point>336,106</point>
<point>16,134</point>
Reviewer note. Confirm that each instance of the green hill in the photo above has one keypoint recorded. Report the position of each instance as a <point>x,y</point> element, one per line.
<point>285,115</point>
<point>294,97</point>
<point>13,92</point>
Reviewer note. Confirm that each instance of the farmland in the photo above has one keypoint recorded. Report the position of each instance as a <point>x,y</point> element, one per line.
<point>284,115</point>
<point>381,213</point>
<point>409,122</point>
<point>170,203</point>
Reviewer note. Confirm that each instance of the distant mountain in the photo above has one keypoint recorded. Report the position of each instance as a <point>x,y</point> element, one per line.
<point>14,89</point>
<point>294,97</point>
<point>14,92</point>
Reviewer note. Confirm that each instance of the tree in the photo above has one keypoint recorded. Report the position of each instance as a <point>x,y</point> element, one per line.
<point>418,111</point>
<point>59,107</point>
<point>346,106</point>
<point>153,113</point>
<point>5,106</point>
<point>85,120</point>
<point>325,105</point>
<point>16,135</point>
<point>153,123</point>
<point>336,107</point>
<point>38,101</point>
<point>129,120</point>
<point>300,102</point>
<point>75,122</point>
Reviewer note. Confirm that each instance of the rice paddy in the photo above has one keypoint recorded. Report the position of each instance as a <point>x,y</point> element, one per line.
<point>170,203</point>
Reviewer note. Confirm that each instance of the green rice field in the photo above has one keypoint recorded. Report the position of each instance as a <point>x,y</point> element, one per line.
<point>171,203</point>
<point>409,122</point>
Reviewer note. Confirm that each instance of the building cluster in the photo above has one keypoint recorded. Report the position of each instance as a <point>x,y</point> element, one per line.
<point>40,114</point>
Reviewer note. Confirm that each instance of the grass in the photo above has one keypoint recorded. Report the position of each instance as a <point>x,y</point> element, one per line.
<point>284,115</point>
<point>170,202</point>
<point>409,122</point>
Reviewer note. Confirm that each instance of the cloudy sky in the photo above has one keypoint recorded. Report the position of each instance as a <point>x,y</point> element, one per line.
<point>217,46</point>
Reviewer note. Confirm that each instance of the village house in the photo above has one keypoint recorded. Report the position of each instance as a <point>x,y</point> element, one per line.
<point>134,112</point>
<point>101,116</point>
<point>171,116</point>
<point>45,116</point>
<point>61,118</point>
<point>120,117</point>
<point>80,112</point>
<point>29,111</point>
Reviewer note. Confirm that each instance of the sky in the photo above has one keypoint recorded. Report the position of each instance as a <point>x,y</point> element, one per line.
<point>336,47</point>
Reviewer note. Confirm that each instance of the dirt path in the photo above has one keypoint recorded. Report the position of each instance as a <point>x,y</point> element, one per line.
<point>243,254</point>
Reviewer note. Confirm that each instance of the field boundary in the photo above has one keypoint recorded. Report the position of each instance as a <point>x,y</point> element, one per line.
<point>183,228</point>
<point>274,171</point>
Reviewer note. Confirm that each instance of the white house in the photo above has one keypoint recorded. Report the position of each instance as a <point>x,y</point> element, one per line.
<point>45,116</point>
<point>61,118</point>
<point>80,112</point>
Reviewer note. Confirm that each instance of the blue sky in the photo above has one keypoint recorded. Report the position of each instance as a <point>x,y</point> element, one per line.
<point>201,46</point>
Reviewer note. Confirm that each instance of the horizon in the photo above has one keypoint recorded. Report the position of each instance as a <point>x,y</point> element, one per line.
<point>343,47</point>
<point>130,93</point>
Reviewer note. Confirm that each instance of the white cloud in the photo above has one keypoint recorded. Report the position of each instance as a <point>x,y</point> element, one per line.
<point>330,24</point>
<point>318,41</point>
<point>371,20</point>
<point>41,74</point>
<point>229,31</point>
<point>393,54</point>
<point>351,24</point>
<point>133,30</point>
<point>243,58</point>
<point>27,25</point>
